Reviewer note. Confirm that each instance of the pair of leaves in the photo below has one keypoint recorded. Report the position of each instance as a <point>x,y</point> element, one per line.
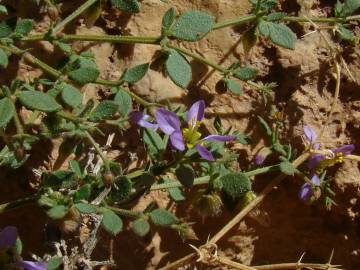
<point>279,34</point>
<point>178,69</point>
<point>129,6</point>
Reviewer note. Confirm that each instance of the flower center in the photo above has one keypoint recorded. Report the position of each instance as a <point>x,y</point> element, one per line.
<point>339,158</point>
<point>191,134</point>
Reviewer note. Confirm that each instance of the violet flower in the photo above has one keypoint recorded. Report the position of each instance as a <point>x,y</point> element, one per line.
<point>140,119</point>
<point>306,190</point>
<point>170,124</point>
<point>8,237</point>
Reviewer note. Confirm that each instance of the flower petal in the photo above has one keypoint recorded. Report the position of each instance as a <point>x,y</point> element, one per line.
<point>314,161</point>
<point>167,121</point>
<point>305,192</point>
<point>345,149</point>
<point>204,153</point>
<point>28,265</point>
<point>196,113</point>
<point>310,134</point>
<point>218,138</point>
<point>315,180</point>
<point>8,237</point>
<point>259,159</point>
<point>177,141</point>
<point>140,118</point>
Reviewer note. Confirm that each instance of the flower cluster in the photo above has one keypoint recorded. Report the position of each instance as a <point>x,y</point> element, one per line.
<point>318,162</point>
<point>182,138</point>
<point>8,257</point>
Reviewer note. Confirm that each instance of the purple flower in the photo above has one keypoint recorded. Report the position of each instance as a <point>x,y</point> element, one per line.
<point>306,190</point>
<point>262,155</point>
<point>141,120</point>
<point>8,237</point>
<point>311,137</point>
<point>170,124</point>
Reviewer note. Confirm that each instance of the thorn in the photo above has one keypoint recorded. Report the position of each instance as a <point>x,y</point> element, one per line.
<point>298,264</point>
<point>201,256</point>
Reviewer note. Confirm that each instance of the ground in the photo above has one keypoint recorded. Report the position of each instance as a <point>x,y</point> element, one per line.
<point>305,90</point>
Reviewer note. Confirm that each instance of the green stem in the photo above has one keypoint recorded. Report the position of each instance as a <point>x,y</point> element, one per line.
<point>198,58</point>
<point>140,100</point>
<point>99,151</point>
<point>100,38</point>
<point>236,21</point>
<point>5,207</point>
<point>73,15</point>
<point>125,212</point>
<point>205,179</point>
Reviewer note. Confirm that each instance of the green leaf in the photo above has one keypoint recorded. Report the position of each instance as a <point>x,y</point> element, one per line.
<point>276,16</point>
<point>57,212</point>
<point>161,217</point>
<point>86,208</point>
<point>123,99</point>
<point>111,222</point>
<point>178,69</point>
<point>176,194</point>
<point>263,27</point>
<point>3,10</point>
<point>233,87</point>
<point>236,185</point>
<point>130,6</point>
<point>7,111</point>
<point>265,126</point>
<point>185,174</point>
<point>153,141</point>
<point>282,35</point>
<point>66,48</point>
<point>71,96</point>
<point>83,193</point>
<point>83,70</point>
<point>167,21</point>
<point>349,7</point>
<point>249,39</point>
<point>39,101</point>
<point>345,34</point>
<point>135,74</point>
<point>92,14</point>
<point>75,167</point>
<point>121,189</point>
<point>287,168</point>
<point>140,227</point>
<point>4,60</point>
<point>245,73</point>
<point>193,25</point>
<point>54,263</point>
<point>45,201</point>
<point>241,138</point>
<point>106,109</point>
<point>23,27</point>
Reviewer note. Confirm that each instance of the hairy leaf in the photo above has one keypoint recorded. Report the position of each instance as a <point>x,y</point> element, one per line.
<point>6,27</point>
<point>193,25</point>
<point>38,101</point>
<point>105,110</point>
<point>178,69</point>
<point>4,60</point>
<point>233,87</point>
<point>161,217</point>
<point>282,35</point>
<point>245,73</point>
<point>287,168</point>
<point>167,21</point>
<point>185,174</point>
<point>23,27</point>
<point>83,70</point>
<point>71,96</point>
<point>111,222</point>
<point>130,6</point>
<point>236,185</point>
<point>86,208</point>
<point>153,141</point>
<point>7,111</point>
<point>121,189</point>
<point>140,227</point>
<point>135,74</point>
<point>57,212</point>
<point>123,99</point>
